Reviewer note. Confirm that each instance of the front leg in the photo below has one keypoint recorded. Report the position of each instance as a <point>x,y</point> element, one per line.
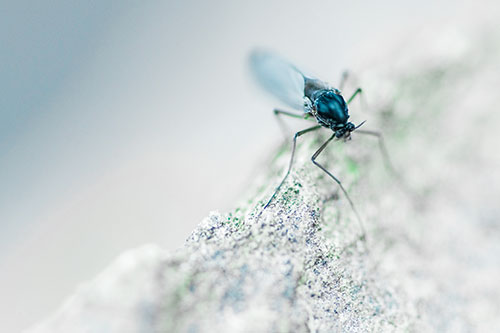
<point>313,159</point>
<point>294,144</point>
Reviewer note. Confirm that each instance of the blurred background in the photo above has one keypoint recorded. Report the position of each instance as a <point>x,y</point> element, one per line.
<point>124,123</point>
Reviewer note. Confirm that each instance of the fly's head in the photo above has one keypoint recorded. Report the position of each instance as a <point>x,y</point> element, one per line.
<point>343,131</point>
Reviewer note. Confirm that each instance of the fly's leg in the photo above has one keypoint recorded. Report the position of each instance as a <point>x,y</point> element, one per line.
<point>358,91</point>
<point>310,129</point>
<point>388,164</point>
<point>343,79</point>
<point>313,159</point>
<point>383,150</point>
<point>278,113</point>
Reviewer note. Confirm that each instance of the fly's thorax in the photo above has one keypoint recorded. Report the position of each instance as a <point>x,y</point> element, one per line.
<point>329,108</point>
<point>312,86</point>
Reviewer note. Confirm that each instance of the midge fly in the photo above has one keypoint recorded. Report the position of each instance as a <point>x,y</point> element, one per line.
<point>315,98</point>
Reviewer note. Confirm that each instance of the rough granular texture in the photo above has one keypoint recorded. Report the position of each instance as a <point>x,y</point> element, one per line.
<point>430,260</point>
<point>275,272</point>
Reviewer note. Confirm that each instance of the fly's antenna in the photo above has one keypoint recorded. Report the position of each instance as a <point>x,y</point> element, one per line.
<point>364,121</point>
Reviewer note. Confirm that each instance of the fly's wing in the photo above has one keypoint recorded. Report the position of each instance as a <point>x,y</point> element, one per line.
<point>279,77</point>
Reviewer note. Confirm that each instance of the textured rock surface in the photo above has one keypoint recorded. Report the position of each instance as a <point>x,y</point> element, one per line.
<point>430,262</point>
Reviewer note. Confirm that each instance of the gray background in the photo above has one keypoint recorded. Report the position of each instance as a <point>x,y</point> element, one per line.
<point>124,123</point>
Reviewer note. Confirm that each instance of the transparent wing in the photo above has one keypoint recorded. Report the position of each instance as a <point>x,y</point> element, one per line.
<point>279,77</point>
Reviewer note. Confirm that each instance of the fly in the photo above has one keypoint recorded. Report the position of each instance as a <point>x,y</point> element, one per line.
<point>315,98</point>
